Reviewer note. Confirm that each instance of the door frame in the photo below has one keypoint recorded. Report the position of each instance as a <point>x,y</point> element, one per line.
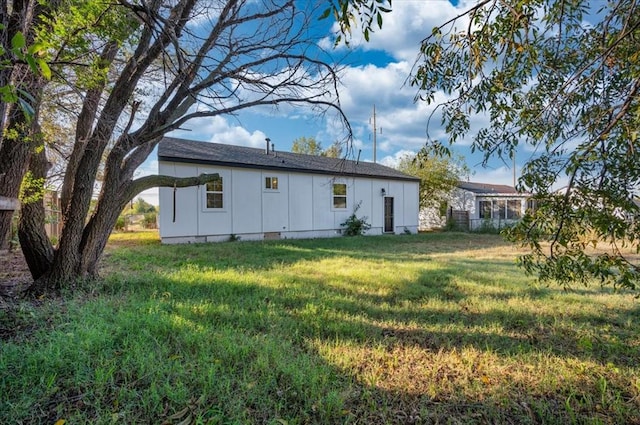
<point>385,216</point>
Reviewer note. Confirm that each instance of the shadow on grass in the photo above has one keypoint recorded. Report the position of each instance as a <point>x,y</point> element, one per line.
<point>229,334</point>
<point>462,307</point>
<point>290,323</point>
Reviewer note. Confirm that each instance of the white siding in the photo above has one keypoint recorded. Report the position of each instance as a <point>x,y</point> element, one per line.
<point>323,217</point>
<point>410,200</point>
<point>215,221</point>
<point>301,206</point>
<point>246,199</point>
<point>275,204</point>
<point>185,220</point>
<point>363,193</point>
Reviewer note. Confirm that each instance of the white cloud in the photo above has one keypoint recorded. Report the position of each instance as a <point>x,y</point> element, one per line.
<point>218,130</point>
<point>404,28</point>
<point>500,175</point>
<point>393,160</point>
<point>148,168</point>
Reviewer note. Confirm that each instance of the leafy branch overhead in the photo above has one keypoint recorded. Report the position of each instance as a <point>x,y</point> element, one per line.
<point>33,56</point>
<point>562,78</point>
<point>350,13</point>
<point>560,81</point>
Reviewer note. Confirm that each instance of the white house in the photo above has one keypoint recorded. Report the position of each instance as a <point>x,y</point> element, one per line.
<point>488,204</point>
<point>267,194</point>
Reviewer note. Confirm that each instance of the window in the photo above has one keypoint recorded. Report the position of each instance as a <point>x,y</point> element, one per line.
<point>340,195</point>
<point>513,209</point>
<point>500,209</point>
<point>485,209</point>
<point>214,194</point>
<point>271,183</point>
<point>532,205</point>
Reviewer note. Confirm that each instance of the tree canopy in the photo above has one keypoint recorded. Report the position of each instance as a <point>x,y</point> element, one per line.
<point>310,146</point>
<point>134,71</point>
<point>438,175</point>
<point>559,80</point>
<point>306,145</point>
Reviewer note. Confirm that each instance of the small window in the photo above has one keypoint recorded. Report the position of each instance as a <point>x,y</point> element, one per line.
<point>214,194</point>
<point>485,209</point>
<point>513,209</point>
<point>340,195</point>
<point>271,183</point>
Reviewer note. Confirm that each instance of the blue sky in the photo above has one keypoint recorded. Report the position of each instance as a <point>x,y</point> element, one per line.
<point>375,74</point>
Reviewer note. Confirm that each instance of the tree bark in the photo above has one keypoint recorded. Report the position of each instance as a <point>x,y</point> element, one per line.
<point>15,137</point>
<point>35,244</point>
<point>103,220</point>
<point>188,77</point>
<point>14,159</point>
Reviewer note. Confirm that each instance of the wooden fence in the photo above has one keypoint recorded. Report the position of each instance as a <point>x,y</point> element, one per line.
<point>459,218</point>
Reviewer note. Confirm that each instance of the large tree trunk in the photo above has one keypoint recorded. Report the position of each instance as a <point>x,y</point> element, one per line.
<point>188,78</point>
<point>15,136</point>
<point>67,263</point>
<point>36,246</point>
<point>14,159</point>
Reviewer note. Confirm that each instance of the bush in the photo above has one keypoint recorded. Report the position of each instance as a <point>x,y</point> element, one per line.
<point>149,220</point>
<point>355,226</point>
<point>488,227</point>
<point>120,223</point>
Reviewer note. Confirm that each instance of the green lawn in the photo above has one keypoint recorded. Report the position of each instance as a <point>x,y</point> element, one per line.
<point>436,328</point>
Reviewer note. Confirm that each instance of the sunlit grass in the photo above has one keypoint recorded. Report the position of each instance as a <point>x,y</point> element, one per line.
<point>439,328</point>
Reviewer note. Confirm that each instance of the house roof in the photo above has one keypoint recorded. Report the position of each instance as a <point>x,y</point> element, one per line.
<point>193,152</point>
<point>489,189</point>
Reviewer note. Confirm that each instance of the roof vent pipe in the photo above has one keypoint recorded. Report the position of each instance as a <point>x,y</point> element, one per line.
<point>267,149</point>
<point>358,159</point>
<point>273,148</point>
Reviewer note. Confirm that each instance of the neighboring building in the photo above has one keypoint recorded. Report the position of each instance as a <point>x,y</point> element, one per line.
<point>486,204</point>
<point>267,194</point>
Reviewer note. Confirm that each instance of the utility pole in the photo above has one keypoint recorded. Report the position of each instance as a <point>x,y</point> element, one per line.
<point>375,132</point>
<point>514,168</point>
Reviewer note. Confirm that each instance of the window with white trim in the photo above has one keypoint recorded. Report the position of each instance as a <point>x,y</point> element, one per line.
<point>499,209</point>
<point>214,194</point>
<point>339,196</point>
<point>513,209</point>
<point>485,209</point>
<point>271,183</point>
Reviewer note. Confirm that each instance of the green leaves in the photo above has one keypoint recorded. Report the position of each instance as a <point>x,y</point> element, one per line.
<point>18,42</point>
<point>348,13</point>
<point>438,172</point>
<point>32,56</point>
<point>564,81</point>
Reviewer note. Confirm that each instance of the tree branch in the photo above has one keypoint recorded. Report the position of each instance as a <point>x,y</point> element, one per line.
<point>148,182</point>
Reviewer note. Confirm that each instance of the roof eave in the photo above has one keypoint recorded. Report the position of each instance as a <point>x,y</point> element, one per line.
<point>276,168</point>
